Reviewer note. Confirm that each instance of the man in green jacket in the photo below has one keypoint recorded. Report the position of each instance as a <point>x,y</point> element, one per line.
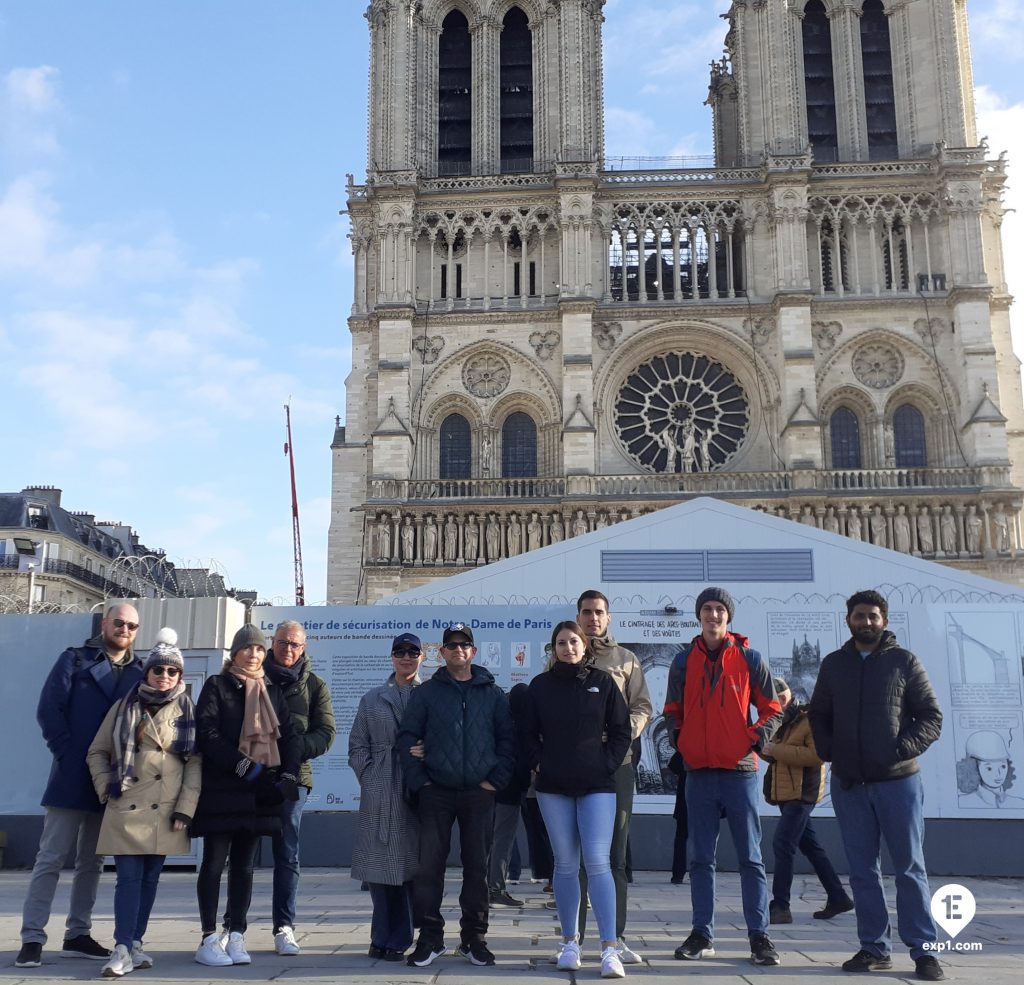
<point>288,665</point>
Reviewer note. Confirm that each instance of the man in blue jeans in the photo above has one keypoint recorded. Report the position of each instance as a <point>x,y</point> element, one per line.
<point>309,701</point>
<point>873,712</point>
<point>712,686</point>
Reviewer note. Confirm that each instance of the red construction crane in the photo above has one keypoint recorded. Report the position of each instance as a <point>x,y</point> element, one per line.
<point>300,588</point>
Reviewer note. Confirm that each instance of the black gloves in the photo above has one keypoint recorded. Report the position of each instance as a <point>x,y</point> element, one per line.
<point>288,787</point>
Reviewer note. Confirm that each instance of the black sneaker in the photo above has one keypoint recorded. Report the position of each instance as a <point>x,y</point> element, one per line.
<point>424,954</point>
<point>504,899</point>
<point>695,946</point>
<point>477,953</point>
<point>928,969</point>
<point>30,955</point>
<point>375,952</point>
<point>866,961</point>
<point>831,909</point>
<point>762,950</point>
<point>393,954</point>
<point>779,914</point>
<point>83,946</point>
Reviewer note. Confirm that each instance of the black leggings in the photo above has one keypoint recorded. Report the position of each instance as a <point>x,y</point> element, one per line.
<point>240,847</point>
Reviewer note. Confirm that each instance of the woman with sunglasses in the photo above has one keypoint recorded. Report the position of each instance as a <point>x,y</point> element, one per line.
<point>575,734</point>
<point>251,760</point>
<point>146,770</point>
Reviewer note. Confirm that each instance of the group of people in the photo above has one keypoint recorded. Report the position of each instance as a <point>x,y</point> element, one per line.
<point>428,753</point>
<point>138,769</point>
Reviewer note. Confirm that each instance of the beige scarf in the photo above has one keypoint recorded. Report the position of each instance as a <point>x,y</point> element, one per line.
<point>260,725</point>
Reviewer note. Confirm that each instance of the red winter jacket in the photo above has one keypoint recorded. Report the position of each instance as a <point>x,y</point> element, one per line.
<point>709,704</point>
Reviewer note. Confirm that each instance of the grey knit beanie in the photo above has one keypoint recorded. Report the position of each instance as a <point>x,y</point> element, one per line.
<point>165,652</point>
<point>248,635</point>
<point>715,594</point>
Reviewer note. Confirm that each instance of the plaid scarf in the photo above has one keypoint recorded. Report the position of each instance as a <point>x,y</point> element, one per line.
<point>128,724</point>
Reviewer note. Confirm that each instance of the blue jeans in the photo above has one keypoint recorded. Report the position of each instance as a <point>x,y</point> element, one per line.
<point>893,809</point>
<point>391,924</point>
<point>794,831</point>
<point>575,824</point>
<point>134,893</point>
<point>286,862</point>
<point>737,792</point>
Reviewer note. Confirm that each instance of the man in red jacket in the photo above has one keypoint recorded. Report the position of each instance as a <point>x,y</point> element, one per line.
<point>712,686</point>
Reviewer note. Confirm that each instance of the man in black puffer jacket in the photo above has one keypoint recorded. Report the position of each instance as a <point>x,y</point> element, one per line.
<point>461,718</point>
<point>872,714</point>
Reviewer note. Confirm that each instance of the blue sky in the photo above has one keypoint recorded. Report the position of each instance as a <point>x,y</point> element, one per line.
<point>173,267</point>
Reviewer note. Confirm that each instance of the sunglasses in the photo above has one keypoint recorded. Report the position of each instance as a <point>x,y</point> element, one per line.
<point>124,624</point>
<point>459,646</point>
<point>165,671</point>
<point>405,652</point>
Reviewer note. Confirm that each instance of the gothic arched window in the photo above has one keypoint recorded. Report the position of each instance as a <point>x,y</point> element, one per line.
<point>819,84</point>
<point>456,448</point>
<point>845,431</point>
<point>516,93</point>
<point>454,96</point>
<point>908,437</point>
<point>518,446</point>
<point>879,96</point>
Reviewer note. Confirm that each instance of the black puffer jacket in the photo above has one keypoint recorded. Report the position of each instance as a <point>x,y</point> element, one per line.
<point>309,701</point>
<point>576,730</point>
<point>228,802</point>
<point>467,733</point>
<point>871,717</point>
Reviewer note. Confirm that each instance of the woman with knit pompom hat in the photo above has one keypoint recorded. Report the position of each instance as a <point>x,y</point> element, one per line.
<point>251,760</point>
<point>146,770</point>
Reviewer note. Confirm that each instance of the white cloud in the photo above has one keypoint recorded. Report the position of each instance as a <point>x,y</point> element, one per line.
<point>998,24</point>
<point>32,90</point>
<point>30,102</point>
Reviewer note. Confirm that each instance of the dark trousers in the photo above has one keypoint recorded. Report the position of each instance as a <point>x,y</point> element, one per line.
<point>794,831</point>
<point>542,862</point>
<point>625,785</point>
<point>439,809</point>
<point>238,850</point>
<point>682,830</point>
<point>391,926</point>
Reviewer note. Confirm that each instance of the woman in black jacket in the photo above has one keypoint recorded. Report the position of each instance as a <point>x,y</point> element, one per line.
<point>575,733</point>
<point>251,759</point>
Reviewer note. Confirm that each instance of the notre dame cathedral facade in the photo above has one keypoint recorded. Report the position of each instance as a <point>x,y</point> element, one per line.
<point>816,327</point>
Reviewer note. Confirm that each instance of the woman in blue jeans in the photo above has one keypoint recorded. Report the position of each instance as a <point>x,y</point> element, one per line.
<point>145,768</point>
<point>575,734</point>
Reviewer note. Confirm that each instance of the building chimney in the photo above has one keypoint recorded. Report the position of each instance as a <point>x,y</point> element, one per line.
<point>47,494</point>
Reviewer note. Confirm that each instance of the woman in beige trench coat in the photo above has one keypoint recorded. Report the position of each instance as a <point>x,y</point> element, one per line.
<point>146,770</point>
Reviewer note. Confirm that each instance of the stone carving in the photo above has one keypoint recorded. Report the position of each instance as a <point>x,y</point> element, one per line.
<point>878,365</point>
<point>853,528</point>
<point>515,536</point>
<point>430,541</point>
<point>451,538</point>
<point>602,520</point>
<point>826,333</point>
<point>901,530</point>
<point>928,330</point>
<point>759,330</point>
<point>534,533</point>
<point>607,334</point>
<point>579,524</point>
<point>492,537</point>
<point>384,537</point>
<point>670,402</point>
<point>807,517</point>
<point>408,540</point>
<point>879,535</point>
<point>486,375</point>
<point>485,455</point>
<point>471,536</point>
<point>925,537</point>
<point>889,440</point>
<point>544,343</point>
<point>557,532</point>
<point>1002,525</point>
<point>831,521</point>
<point>428,346</point>
<point>947,530</point>
<point>972,525</point>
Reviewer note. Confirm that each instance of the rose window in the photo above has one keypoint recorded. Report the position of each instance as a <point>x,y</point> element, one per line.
<point>878,365</point>
<point>486,375</point>
<point>681,412</point>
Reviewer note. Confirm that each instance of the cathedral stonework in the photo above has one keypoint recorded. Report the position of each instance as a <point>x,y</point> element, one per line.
<point>817,327</point>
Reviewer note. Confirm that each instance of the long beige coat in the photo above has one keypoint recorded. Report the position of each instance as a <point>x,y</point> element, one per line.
<point>139,821</point>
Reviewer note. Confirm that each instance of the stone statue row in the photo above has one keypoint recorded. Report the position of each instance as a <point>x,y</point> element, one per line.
<point>939,531</point>
<point>478,539</point>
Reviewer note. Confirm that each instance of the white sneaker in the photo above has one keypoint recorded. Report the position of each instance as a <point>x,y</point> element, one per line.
<point>236,949</point>
<point>139,957</point>
<point>569,958</point>
<point>611,963</point>
<point>120,963</point>
<point>285,943</point>
<point>627,955</point>
<point>211,952</point>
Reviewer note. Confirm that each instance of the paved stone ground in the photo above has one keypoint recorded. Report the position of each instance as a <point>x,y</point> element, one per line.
<point>334,933</point>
